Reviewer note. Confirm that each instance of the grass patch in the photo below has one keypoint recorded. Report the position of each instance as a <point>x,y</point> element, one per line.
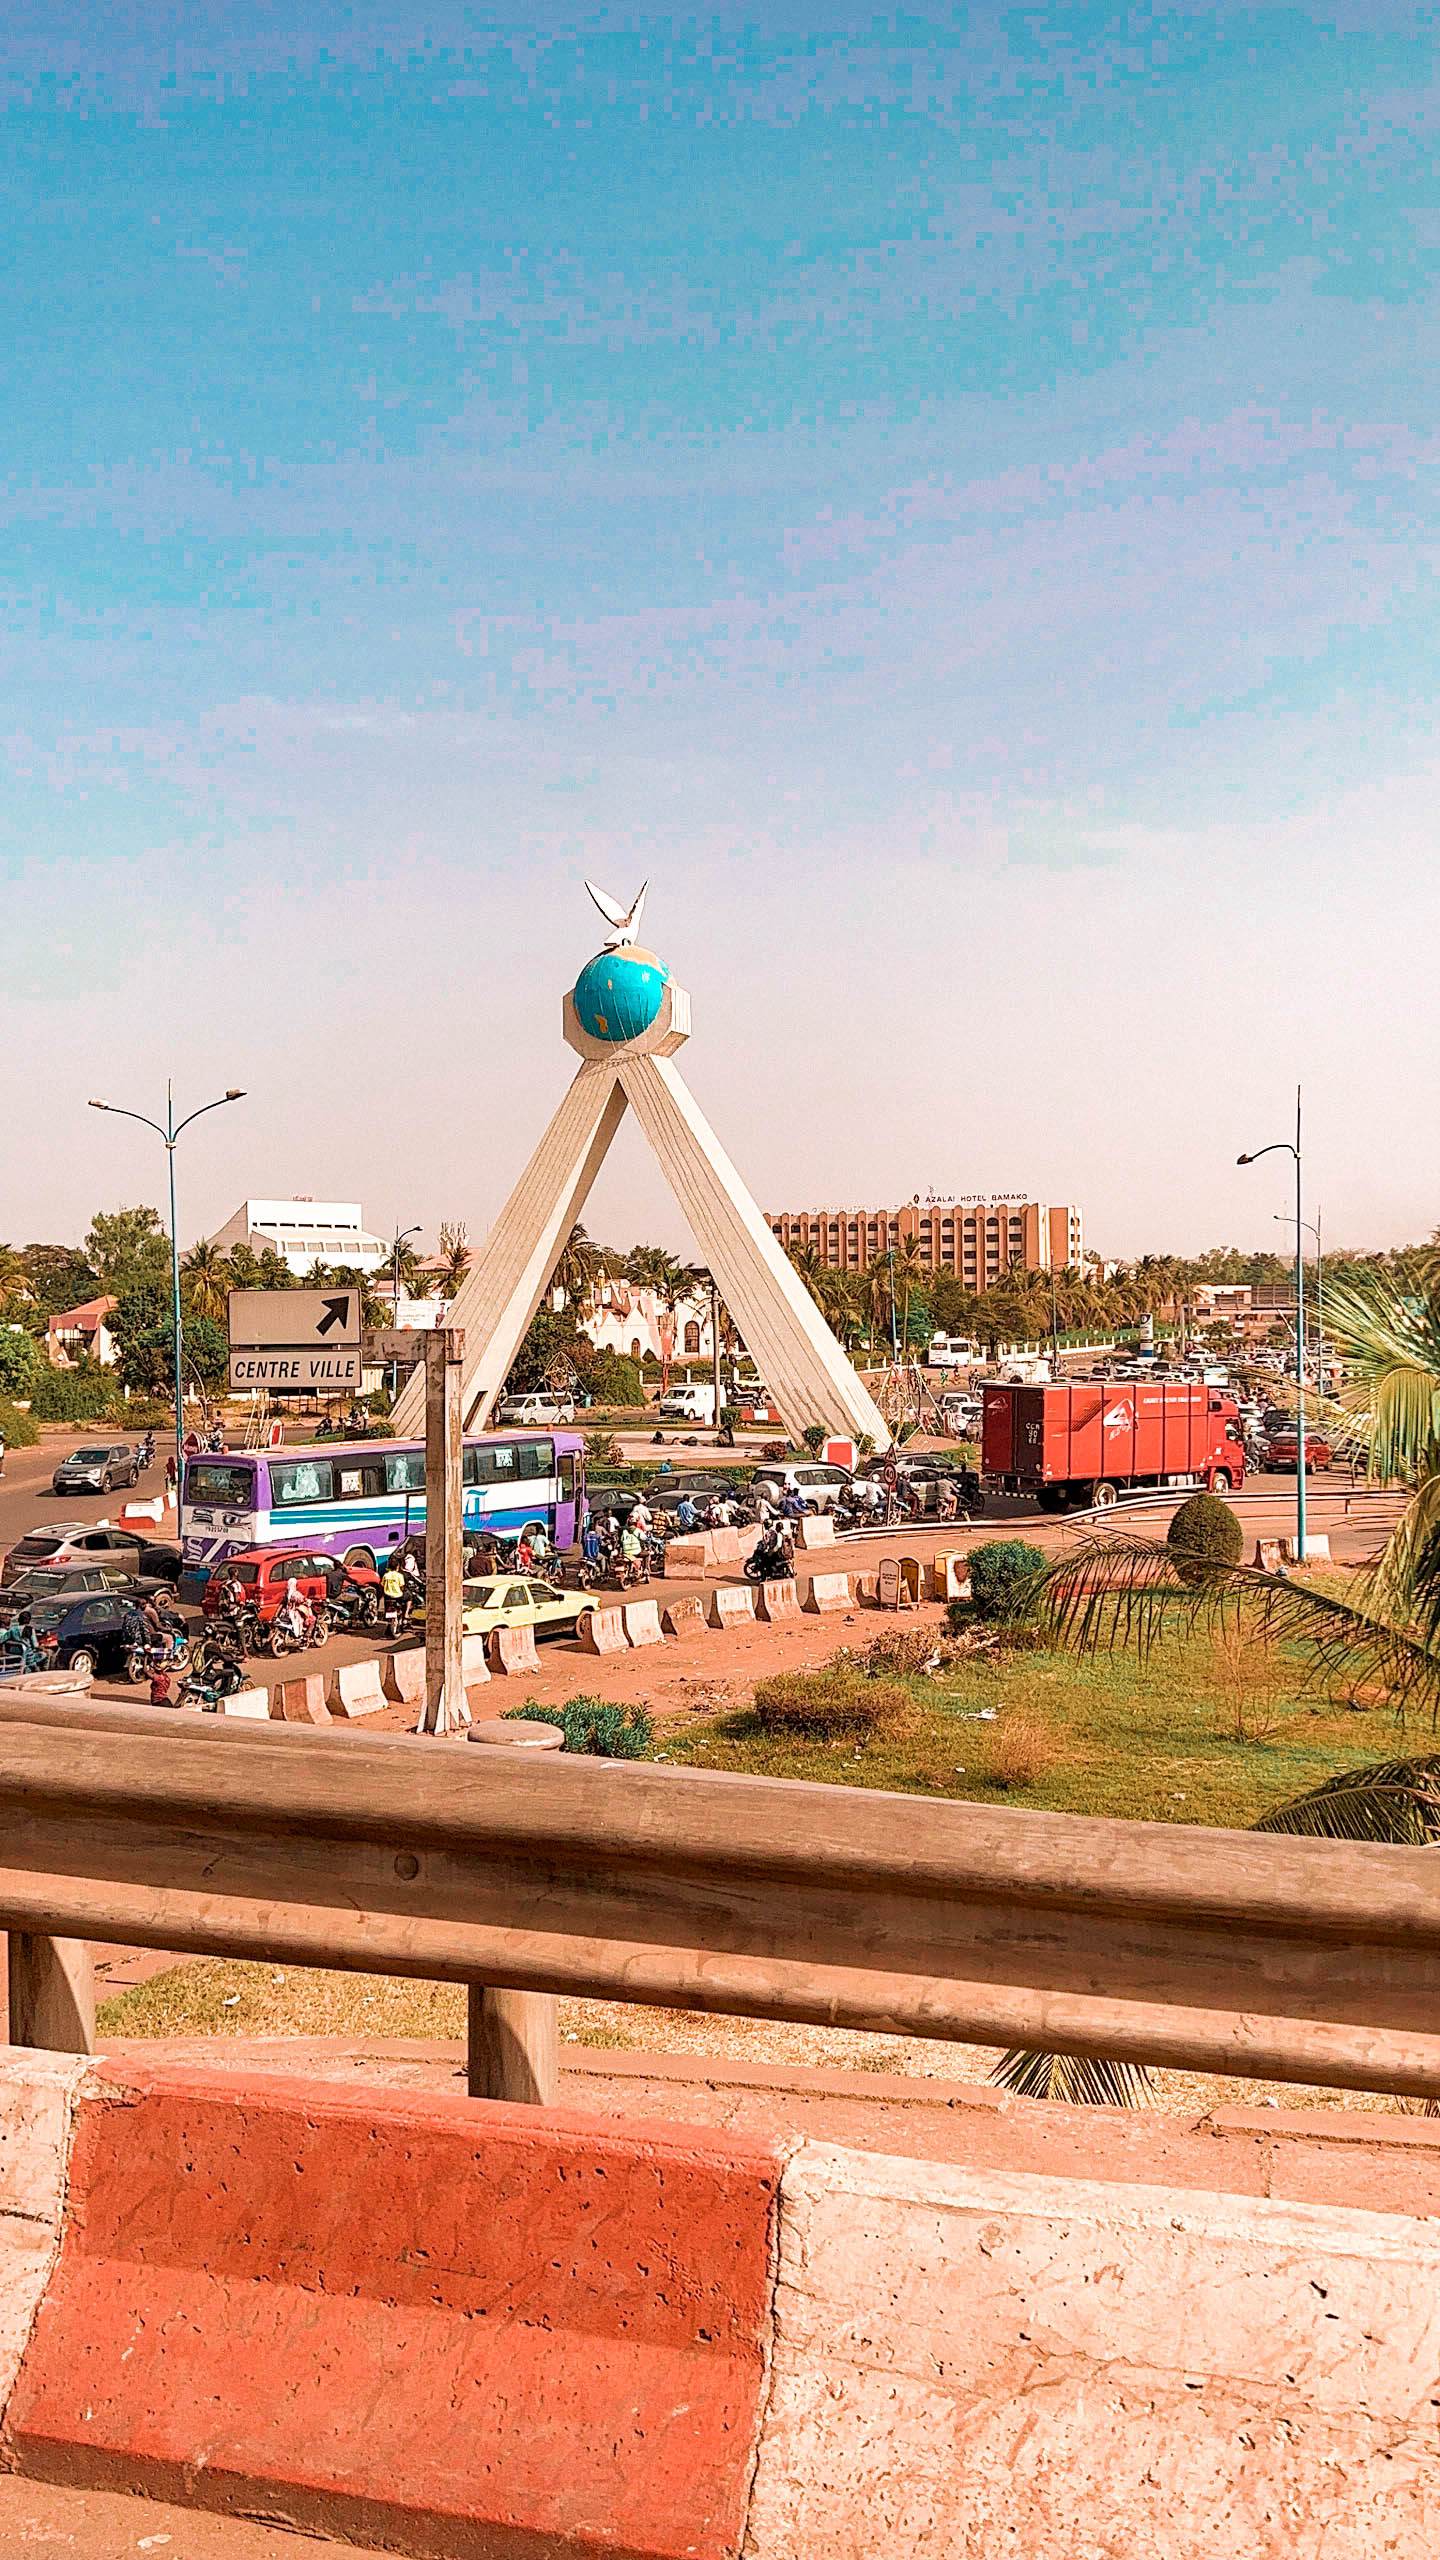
<point>219,1998</point>
<point>1209,1729</point>
<point>836,1704</point>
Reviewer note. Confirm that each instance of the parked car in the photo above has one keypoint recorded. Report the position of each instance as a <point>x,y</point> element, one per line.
<point>534,1412</point>
<point>818,1486</point>
<point>97,1468</point>
<point>94,1634</point>
<point>1282,1451</point>
<point>502,1603</point>
<point>261,1573</point>
<point>668,1492</point>
<point>72,1542</point>
<point>69,1581</point>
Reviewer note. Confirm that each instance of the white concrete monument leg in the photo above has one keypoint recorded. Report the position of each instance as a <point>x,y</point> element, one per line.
<point>799,1358</point>
<point>509,1276</point>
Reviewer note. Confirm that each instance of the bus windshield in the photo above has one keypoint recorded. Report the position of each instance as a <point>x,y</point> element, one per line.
<point>221,1483</point>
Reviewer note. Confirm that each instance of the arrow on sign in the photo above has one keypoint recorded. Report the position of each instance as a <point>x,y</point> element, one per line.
<point>336,1311</point>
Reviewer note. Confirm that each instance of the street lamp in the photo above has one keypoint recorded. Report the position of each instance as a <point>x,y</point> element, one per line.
<point>170,1133</point>
<point>402,1238</point>
<point>1314,1231</point>
<point>1283,1146</point>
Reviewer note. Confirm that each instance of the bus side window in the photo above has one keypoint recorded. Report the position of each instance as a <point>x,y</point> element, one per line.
<point>405,1471</point>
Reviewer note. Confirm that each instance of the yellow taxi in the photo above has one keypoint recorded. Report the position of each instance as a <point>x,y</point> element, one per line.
<point>516,1600</point>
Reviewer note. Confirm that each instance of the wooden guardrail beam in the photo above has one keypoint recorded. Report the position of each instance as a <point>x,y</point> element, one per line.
<point>1223,1951</point>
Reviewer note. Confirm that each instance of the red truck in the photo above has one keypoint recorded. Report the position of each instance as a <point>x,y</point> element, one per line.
<point>1083,1443</point>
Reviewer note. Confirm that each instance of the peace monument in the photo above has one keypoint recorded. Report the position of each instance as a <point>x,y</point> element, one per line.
<point>626,1018</point>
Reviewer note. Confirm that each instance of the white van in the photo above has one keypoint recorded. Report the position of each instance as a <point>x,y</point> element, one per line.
<point>690,1403</point>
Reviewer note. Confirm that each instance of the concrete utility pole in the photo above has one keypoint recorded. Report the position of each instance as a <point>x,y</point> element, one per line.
<point>445,1709</point>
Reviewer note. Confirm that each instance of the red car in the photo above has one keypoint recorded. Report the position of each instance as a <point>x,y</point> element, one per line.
<point>1282,1452</point>
<point>262,1573</point>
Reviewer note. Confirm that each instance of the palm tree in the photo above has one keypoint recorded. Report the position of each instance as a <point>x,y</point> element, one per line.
<point>206,1280</point>
<point>455,1250</point>
<point>578,1268</point>
<point>1396,1802</point>
<point>404,1264</point>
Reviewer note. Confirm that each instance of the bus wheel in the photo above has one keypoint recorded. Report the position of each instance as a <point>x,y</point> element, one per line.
<point>1103,1497</point>
<point>360,1556</point>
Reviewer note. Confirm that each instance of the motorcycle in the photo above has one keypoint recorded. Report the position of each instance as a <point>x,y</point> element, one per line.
<point>167,1652</point>
<point>769,1564</point>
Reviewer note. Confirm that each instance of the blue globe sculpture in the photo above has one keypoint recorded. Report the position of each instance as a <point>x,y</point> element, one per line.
<point>619,993</point>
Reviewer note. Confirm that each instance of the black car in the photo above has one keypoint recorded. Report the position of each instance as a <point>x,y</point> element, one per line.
<point>88,1635</point>
<point>668,1492</point>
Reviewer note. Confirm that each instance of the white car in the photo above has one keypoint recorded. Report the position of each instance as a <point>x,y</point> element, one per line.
<point>532,1413</point>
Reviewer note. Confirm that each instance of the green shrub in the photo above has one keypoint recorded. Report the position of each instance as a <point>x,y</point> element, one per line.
<point>1004,1580</point>
<point>21,1361</point>
<point>814,1436</point>
<point>837,1704</point>
<point>75,1395</point>
<point>615,1380</point>
<point>16,1429</point>
<point>595,1727</point>
<point>1204,1532</point>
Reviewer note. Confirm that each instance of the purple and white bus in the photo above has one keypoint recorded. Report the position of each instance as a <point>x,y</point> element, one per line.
<point>355,1499</point>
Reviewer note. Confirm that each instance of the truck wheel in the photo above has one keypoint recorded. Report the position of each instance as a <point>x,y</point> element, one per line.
<point>1051,1497</point>
<point>1103,1497</point>
<point>1220,1482</point>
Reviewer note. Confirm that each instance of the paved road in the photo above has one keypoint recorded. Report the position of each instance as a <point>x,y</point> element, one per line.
<point>1355,1526</point>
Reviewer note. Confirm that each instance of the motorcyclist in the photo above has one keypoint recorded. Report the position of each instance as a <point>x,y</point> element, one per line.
<point>686,1515</point>
<point>631,1550</point>
<point>392,1590</point>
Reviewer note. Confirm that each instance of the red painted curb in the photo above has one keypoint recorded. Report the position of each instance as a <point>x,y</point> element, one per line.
<point>476,2333</point>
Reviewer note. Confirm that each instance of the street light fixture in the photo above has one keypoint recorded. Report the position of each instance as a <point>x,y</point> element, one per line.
<point>402,1238</point>
<point>1283,1146</point>
<point>169,1135</point>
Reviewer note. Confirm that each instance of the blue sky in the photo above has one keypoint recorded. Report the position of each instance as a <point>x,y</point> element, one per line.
<point>950,494</point>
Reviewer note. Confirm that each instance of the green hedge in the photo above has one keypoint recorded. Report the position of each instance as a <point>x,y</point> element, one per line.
<point>16,1429</point>
<point>75,1395</point>
<point>594,1727</point>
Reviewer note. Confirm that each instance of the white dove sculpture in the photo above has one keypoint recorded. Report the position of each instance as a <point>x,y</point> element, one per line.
<point>624,922</point>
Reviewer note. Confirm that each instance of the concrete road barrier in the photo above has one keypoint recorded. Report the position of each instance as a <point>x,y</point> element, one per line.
<point>354,1690</point>
<point>474,1668</point>
<point>826,1592</point>
<point>245,1702</point>
<point>512,1649</point>
<point>817,1529</point>
<point>684,1618</point>
<point>301,1700</point>
<point>777,1600</point>
<point>867,1590</point>
<point>1267,1554</point>
<point>642,1623</point>
<point>277,2294</point>
<point>1317,1548</point>
<point>732,1604</point>
<point>402,1676</point>
<point>685,1556</point>
<point>603,1631</point>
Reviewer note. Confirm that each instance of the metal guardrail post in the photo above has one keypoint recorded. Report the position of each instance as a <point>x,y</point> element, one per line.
<point>52,1993</point>
<point>512,2044</point>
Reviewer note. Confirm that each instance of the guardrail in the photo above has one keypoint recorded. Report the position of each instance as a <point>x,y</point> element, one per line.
<point>1218,1951</point>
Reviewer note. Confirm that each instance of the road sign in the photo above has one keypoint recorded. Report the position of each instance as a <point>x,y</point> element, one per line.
<point>295,1341</point>
<point>404,1344</point>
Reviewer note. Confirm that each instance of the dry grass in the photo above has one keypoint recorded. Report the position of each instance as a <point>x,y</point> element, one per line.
<point>1022,1750</point>
<point>837,1704</point>
<point>1253,1686</point>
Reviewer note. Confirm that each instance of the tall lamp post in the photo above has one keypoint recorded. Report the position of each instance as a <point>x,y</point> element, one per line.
<point>402,1238</point>
<point>170,1133</point>
<point>1283,1147</point>
<point>1319,1292</point>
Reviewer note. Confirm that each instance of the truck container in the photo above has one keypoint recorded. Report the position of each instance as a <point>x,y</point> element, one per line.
<point>1084,1443</point>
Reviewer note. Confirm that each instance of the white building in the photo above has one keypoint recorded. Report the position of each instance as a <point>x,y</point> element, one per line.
<point>638,1324</point>
<point>303,1231</point>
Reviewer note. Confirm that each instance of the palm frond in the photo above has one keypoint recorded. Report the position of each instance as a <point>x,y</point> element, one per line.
<point>1076,2080</point>
<point>1113,1593</point>
<point>1395,1801</point>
